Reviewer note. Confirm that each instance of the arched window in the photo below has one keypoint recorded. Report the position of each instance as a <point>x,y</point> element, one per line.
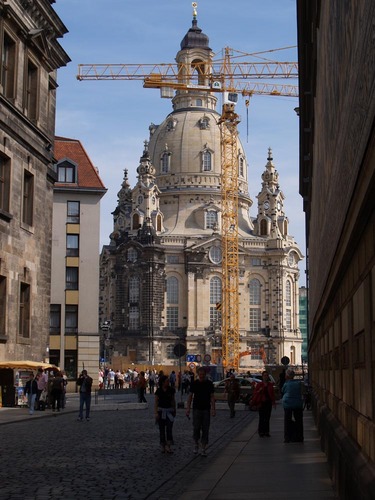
<point>172,302</point>
<point>255,303</point>
<point>165,162</point>
<point>211,219</point>
<point>134,289</point>
<point>241,167</point>
<point>215,301</point>
<point>206,161</point>
<point>263,227</point>
<point>198,102</point>
<point>255,297</point>
<point>132,255</point>
<point>288,294</point>
<point>198,72</point>
<point>136,223</point>
<point>158,223</point>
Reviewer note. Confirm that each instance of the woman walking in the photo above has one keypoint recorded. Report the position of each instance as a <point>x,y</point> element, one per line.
<point>165,412</point>
<point>264,396</point>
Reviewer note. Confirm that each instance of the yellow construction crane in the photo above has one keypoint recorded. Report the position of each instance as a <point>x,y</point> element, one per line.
<point>230,78</point>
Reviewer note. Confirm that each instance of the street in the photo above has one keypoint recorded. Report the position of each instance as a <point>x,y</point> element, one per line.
<point>114,456</point>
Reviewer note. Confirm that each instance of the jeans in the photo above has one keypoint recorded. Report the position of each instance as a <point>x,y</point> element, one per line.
<point>201,425</point>
<point>31,402</point>
<point>84,400</point>
<point>165,430</point>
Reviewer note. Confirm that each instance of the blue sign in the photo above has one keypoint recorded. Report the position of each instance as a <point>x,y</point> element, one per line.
<point>191,358</point>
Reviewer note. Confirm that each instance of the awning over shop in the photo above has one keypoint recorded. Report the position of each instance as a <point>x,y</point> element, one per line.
<point>27,365</point>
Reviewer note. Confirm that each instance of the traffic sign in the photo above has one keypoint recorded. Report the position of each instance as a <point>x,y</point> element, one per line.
<point>179,350</point>
<point>192,366</point>
<point>207,358</point>
<point>190,358</point>
<point>198,358</point>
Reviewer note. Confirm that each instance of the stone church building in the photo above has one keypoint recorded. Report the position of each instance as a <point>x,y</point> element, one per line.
<point>161,274</point>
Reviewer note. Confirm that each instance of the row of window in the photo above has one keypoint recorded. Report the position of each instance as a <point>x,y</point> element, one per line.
<point>206,162</point>
<point>8,75</point>
<point>255,301</point>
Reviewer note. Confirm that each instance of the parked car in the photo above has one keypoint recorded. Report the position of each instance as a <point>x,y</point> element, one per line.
<point>246,389</point>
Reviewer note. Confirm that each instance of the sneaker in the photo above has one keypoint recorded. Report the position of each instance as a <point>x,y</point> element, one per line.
<point>195,450</point>
<point>88,419</point>
<point>203,453</point>
<point>79,419</point>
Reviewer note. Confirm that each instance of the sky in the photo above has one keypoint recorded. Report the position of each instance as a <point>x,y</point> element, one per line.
<point>111,118</point>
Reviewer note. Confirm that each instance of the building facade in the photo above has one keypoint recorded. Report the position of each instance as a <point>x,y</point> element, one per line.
<point>30,56</point>
<point>161,274</point>
<point>337,182</point>
<point>74,336</point>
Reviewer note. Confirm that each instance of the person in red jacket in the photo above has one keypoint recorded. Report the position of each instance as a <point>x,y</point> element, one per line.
<point>264,396</point>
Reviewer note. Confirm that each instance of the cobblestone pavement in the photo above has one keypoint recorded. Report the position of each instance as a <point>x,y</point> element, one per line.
<point>115,456</point>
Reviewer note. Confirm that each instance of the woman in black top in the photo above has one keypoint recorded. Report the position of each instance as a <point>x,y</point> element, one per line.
<point>165,412</point>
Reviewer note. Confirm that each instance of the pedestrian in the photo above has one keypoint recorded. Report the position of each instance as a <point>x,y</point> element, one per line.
<point>165,413</point>
<point>85,383</point>
<point>152,381</point>
<point>232,388</point>
<point>172,379</point>
<point>31,391</point>
<point>264,398</point>
<point>42,381</point>
<point>293,408</point>
<point>203,400</point>
<point>63,394</point>
<point>141,387</point>
<point>57,387</point>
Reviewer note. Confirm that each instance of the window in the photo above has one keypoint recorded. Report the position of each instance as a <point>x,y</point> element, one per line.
<point>73,209</point>
<point>172,298</point>
<point>263,227</point>
<point>288,293</point>
<point>8,65</point>
<point>132,255</point>
<point>254,287</point>
<point>172,317</point>
<point>31,91</point>
<point>204,123</point>
<point>71,319</point>
<point>241,166</point>
<point>70,364</point>
<point>165,162</point>
<point>255,261</point>
<point>3,297</point>
<point>206,161</point>
<point>254,319</point>
<point>72,245</point>
<point>28,198</point>
<point>66,173</point>
<point>215,298</point>
<point>158,223</point>
<point>198,72</point>
<point>215,255</point>
<point>24,313</point>
<point>172,290</point>
<point>136,222</point>
<point>55,319</point>
<point>198,102</point>
<point>4,183</point>
<point>133,289</point>
<point>211,219</point>
<point>71,282</point>
<point>170,351</point>
<point>133,317</point>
